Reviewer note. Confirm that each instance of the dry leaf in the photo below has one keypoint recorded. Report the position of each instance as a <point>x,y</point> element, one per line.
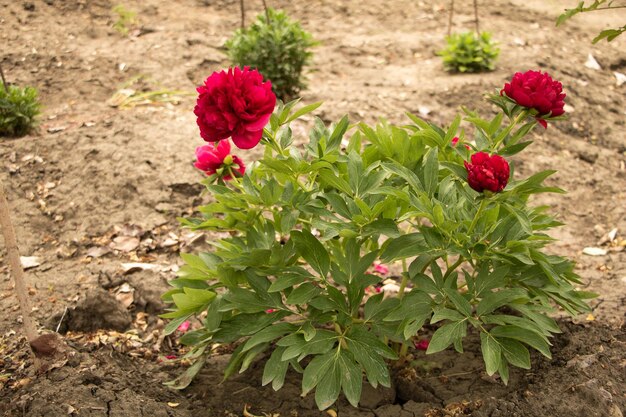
<point>591,251</point>
<point>592,63</point>
<point>98,251</point>
<point>30,261</point>
<point>138,266</point>
<point>125,243</point>
<point>590,317</point>
<point>173,405</point>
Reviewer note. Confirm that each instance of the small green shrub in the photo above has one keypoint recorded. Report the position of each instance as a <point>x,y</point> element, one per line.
<point>278,47</point>
<point>18,109</point>
<point>468,52</point>
<point>126,19</point>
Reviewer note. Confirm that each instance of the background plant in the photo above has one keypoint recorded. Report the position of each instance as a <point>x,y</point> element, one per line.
<point>596,5</point>
<point>19,108</point>
<point>470,52</point>
<point>278,47</point>
<point>306,224</point>
<point>126,19</point>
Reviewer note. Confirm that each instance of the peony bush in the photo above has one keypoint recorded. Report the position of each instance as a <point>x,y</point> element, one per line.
<point>311,226</point>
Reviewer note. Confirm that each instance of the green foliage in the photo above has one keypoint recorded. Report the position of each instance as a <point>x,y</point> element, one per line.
<point>278,47</point>
<point>18,110</point>
<point>469,52</point>
<point>126,19</point>
<point>608,34</point>
<point>305,224</point>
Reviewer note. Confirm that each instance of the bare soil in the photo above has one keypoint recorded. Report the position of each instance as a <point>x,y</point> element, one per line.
<point>96,188</point>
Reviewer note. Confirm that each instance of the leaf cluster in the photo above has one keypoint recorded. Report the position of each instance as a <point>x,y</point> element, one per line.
<point>469,52</point>
<point>305,224</point>
<point>278,47</point>
<point>18,110</point>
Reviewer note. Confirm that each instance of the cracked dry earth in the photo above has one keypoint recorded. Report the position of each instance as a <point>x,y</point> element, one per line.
<point>95,193</point>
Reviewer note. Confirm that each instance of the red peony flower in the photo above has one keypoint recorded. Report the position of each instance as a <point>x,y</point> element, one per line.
<point>235,104</point>
<point>422,344</point>
<point>212,157</point>
<point>487,172</point>
<point>538,91</point>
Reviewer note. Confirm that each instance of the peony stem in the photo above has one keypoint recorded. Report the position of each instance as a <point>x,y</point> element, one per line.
<point>405,279</point>
<point>15,264</point>
<point>483,203</point>
<point>520,117</point>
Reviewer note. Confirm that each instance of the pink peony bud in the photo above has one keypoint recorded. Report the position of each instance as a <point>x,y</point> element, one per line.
<point>381,268</point>
<point>455,141</point>
<point>184,326</point>
<point>270,310</point>
<point>422,344</point>
<point>216,159</point>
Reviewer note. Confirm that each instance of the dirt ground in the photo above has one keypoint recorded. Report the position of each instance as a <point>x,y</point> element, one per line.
<point>98,188</point>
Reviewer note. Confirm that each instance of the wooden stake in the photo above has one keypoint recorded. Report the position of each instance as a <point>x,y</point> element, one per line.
<point>243,14</point>
<point>267,13</point>
<point>4,81</point>
<point>13,255</point>
<point>476,17</point>
<point>450,17</point>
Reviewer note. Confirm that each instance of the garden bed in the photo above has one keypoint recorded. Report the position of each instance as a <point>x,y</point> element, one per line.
<point>98,188</point>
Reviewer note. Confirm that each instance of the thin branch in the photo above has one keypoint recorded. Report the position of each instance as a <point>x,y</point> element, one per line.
<point>243,14</point>
<point>267,13</point>
<point>4,81</point>
<point>13,255</point>
<point>450,17</point>
<point>476,17</point>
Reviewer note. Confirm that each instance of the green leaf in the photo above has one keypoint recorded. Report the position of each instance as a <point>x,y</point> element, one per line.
<point>445,335</point>
<point>351,378</point>
<point>495,300</point>
<point>431,171</point>
<point>515,352</point>
<point>302,111</point>
<point>250,355</point>
<point>330,178</point>
<point>183,381</point>
<point>523,335</point>
<point>290,279</point>
<point>193,298</point>
<point>334,141</point>
<point>268,334</point>
<point>462,305</point>
<point>372,362</point>
<point>303,294</point>
<point>312,251</point>
<point>316,369</point>
<point>410,244</point>
<point>235,360</point>
<point>491,352</point>
<point>329,387</point>
<point>275,370</point>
